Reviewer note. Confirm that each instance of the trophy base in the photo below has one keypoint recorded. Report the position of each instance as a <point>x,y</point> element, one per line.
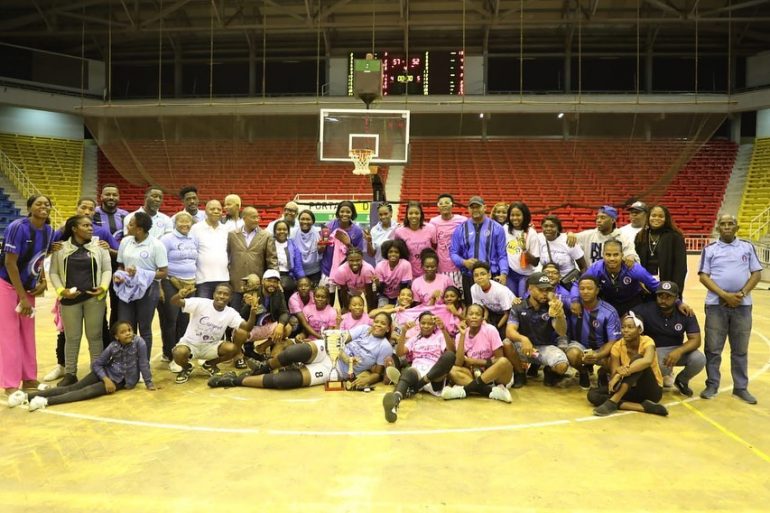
<point>334,386</point>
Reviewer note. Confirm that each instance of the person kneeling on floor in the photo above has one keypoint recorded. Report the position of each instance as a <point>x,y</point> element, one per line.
<point>209,318</point>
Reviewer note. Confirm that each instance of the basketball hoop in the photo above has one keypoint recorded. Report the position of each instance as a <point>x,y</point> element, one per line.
<point>361,159</point>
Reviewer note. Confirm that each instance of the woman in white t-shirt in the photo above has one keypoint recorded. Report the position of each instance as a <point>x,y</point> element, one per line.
<point>522,247</point>
<point>554,248</point>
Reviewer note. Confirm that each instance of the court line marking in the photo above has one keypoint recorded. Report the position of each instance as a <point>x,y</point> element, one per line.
<point>394,432</point>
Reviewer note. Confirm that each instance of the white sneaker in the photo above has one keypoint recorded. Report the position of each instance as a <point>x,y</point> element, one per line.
<point>17,398</point>
<point>500,393</point>
<point>455,392</point>
<point>38,403</point>
<point>393,374</point>
<point>55,373</point>
<point>668,381</point>
<point>174,367</point>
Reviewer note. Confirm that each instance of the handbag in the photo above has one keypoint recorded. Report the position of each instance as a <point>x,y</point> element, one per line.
<point>568,279</point>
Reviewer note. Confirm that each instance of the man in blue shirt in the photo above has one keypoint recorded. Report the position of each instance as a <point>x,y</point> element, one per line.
<point>729,269</point>
<point>479,239</point>
<point>593,333</point>
<point>667,327</point>
<point>620,285</point>
<point>108,214</point>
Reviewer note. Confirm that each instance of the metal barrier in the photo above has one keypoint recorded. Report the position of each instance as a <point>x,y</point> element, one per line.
<point>696,243</point>
<point>19,179</point>
<point>763,253</point>
<point>758,226</point>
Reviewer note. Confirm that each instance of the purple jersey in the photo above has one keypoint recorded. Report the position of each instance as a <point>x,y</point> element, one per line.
<point>31,245</point>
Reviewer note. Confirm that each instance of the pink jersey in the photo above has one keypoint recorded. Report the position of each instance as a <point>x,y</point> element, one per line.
<point>343,276</point>
<point>444,231</point>
<point>425,351</point>
<point>296,304</point>
<point>416,241</point>
<point>320,320</point>
<point>423,290</point>
<point>484,344</point>
<point>392,278</point>
<point>348,322</point>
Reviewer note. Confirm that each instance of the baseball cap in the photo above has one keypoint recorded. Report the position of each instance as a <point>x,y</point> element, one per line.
<point>610,211</point>
<point>475,200</point>
<point>271,273</point>
<point>639,206</point>
<point>668,287</point>
<point>539,280</point>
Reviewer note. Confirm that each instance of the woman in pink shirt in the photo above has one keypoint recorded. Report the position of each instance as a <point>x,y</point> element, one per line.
<point>354,278</point>
<point>417,235</point>
<point>300,299</point>
<point>480,363</point>
<point>356,315</point>
<point>319,315</point>
<point>453,300</point>
<point>429,288</point>
<point>393,273</point>
<point>431,355</point>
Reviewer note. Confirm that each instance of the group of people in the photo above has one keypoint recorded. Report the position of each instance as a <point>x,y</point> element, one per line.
<point>455,306</point>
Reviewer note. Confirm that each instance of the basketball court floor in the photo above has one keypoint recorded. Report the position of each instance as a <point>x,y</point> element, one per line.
<point>189,448</point>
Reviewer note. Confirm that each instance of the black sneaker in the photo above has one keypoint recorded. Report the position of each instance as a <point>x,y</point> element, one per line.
<point>258,368</point>
<point>585,380</point>
<point>519,379</point>
<point>240,363</point>
<point>608,408</point>
<point>229,379</point>
<point>67,380</point>
<point>683,387</point>
<point>390,405</point>
<point>532,371</point>
<point>184,375</point>
<point>212,369</point>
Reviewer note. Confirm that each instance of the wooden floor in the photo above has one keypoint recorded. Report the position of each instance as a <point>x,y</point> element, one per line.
<point>187,448</point>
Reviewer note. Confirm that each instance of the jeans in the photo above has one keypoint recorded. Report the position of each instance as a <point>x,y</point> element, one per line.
<point>141,312</point>
<point>693,362</point>
<point>207,289</point>
<point>723,322</point>
<point>517,283</point>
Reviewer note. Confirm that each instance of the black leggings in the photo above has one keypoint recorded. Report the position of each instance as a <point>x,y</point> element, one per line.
<point>642,387</point>
<point>87,388</point>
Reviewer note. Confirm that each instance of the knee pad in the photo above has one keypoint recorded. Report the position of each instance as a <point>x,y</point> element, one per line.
<point>297,353</point>
<point>284,380</point>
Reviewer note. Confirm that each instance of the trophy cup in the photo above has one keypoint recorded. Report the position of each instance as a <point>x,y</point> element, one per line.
<point>333,344</point>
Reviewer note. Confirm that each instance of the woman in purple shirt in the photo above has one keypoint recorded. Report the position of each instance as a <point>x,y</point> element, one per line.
<point>118,367</point>
<point>27,241</point>
<point>349,233</point>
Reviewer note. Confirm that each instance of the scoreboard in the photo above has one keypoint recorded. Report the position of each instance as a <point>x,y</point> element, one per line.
<point>417,74</point>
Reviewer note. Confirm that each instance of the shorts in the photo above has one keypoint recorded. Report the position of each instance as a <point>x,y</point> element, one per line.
<point>321,366</point>
<point>546,355</point>
<point>203,350</point>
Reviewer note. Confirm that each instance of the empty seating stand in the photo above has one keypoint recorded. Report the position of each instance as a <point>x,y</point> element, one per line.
<point>756,194</point>
<point>8,212</point>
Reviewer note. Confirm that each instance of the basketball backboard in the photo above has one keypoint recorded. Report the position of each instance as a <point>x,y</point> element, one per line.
<point>386,132</point>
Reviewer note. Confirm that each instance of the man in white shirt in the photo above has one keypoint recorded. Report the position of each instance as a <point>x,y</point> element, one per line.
<point>592,241</point>
<point>290,212</point>
<point>161,223</point>
<point>637,212</point>
<point>202,340</point>
<point>189,197</point>
<point>211,266</point>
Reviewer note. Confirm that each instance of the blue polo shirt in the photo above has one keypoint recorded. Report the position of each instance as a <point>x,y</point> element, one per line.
<point>729,265</point>
<point>666,331</point>
<point>150,254</point>
<point>535,324</point>
<point>595,327</point>
<point>623,288</point>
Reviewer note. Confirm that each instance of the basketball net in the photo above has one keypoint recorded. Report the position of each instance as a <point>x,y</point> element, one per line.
<point>361,159</point>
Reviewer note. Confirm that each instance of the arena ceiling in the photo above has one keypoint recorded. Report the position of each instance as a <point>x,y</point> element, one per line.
<point>141,30</point>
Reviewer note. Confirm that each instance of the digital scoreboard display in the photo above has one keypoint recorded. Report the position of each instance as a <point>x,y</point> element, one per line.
<point>417,74</point>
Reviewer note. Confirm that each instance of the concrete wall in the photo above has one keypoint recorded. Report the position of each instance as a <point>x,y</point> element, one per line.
<point>758,70</point>
<point>18,120</point>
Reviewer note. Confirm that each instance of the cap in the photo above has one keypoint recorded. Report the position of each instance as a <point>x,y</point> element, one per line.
<point>637,206</point>
<point>668,287</point>
<point>539,280</point>
<point>610,211</point>
<point>475,200</point>
<point>271,273</point>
